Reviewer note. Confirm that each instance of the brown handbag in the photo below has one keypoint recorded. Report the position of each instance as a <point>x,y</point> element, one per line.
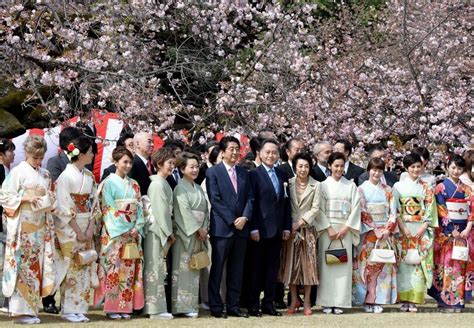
<point>200,259</point>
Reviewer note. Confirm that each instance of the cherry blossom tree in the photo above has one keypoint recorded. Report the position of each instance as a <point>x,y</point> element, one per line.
<point>370,71</point>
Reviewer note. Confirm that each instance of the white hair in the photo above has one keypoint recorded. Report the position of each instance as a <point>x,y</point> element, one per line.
<point>319,146</point>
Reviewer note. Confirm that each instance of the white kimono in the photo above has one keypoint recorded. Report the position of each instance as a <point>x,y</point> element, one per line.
<point>339,207</point>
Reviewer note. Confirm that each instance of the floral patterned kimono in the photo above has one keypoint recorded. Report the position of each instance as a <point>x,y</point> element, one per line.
<point>375,283</point>
<point>29,273</point>
<point>190,214</point>
<point>158,229</point>
<point>452,279</point>
<point>340,206</point>
<point>413,202</point>
<point>121,281</point>
<point>76,194</point>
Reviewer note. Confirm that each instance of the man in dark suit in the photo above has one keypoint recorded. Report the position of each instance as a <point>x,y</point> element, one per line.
<point>230,195</point>
<point>125,140</point>
<point>177,147</point>
<point>56,165</point>
<point>322,151</point>
<point>388,178</point>
<point>292,147</point>
<point>351,171</point>
<point>271,223</point>
<point>206,163</point>
<point>142,167</point>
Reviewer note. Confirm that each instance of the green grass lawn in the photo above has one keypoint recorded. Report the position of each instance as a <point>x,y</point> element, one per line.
<point>427,317</point>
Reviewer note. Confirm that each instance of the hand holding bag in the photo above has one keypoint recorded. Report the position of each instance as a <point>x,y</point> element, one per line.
<point>460,253</point>
<point>380,255</point>
<point>200,259</point>
<point>336,255</point>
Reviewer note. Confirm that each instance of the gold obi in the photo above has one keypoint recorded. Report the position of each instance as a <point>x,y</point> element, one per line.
<point>82,202</point>
<point>411,209</point>
<point>31,192</point>
<point>377,212</point>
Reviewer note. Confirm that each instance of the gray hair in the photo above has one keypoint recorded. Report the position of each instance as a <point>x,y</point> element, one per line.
<point>319,147</point>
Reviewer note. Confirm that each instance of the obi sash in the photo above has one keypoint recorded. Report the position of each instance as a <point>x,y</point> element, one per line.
<point>82,202</point>
<point>458,209</point>
<point>411,209</point>
<point>377,212</point>
<point>128,207</point>
<point>338,210</point>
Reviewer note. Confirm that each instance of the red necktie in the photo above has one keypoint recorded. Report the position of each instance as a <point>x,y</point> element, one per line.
<point>149,166</point>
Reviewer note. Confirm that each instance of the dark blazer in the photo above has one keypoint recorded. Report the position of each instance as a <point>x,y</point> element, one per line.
<point>172,182</point>
<point>226,205</point>
<point>286,168</point>
<point>108,171</point>
<point>390,177</point>
<point>271,212</point>
<point>57,164</point>
<point>317,174</point>
<point>353,172</point>
<point>202,173</point>
<point>139,173</point>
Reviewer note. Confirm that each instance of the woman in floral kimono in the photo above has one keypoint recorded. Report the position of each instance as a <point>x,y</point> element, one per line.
<point>375,283</point>
<point>191,216</point>
<point>159,235</point>
<point>77,202</point>
<point>413,202</point>
<point>27,202</point>
<point>340,214</point>
<point>121,257</point>
<point>452,279</point>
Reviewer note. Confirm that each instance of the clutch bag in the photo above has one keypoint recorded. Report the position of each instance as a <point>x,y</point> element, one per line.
<point>86,257</point>
<point>130,251</point>
<point>380,255</point>
<point>336,255</point>
<point>43,204</point>
<point>460,253</point>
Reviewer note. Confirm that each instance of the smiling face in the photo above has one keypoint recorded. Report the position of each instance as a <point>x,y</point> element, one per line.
<point>337,168</point>
<point>123,165</point>
<point>414,170</point>
<point>455,171</point>
<point>302,168</point>
<point>375,175</point>
<point>166,169</point>
<point>191,170</point>
<point>269,154</point>
<point>231,154</point>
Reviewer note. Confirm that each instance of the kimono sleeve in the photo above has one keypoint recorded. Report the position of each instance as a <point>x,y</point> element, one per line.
<point>11,193</point>
<point>161,226</point>
<point>311,217</point>
<point>324,221</point>
<point>354,221</point>
<point>140,216</point>
<point>64,203</point>
<point>429,206</point>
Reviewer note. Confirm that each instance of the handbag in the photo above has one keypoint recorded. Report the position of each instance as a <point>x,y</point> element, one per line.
<point>460,253</point>
<point>412,257</point>
<point>336,255</point>
<point>200,259</point>
<point>380,255</point>
<point>130,251</point>
<point>86,256</point>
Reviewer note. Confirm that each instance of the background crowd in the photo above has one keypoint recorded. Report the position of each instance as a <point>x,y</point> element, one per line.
<point>168,232</point>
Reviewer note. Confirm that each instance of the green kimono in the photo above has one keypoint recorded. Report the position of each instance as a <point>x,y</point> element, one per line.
<point>158,229</point>
<point>190,214</point>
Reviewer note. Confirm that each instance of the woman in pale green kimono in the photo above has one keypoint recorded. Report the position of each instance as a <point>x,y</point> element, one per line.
<point>29,273</point>
<point>158,235</point>
<point>413,203</point>
<point>340,214</point>
<point>191,217</point>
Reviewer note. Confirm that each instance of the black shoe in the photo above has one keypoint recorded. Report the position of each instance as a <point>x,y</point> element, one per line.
<point>271,311</point>
<point>280,305</point>
<point>255,313</point>
<point>219,315</point>
<point>238,314</point>
<point>51,308</point>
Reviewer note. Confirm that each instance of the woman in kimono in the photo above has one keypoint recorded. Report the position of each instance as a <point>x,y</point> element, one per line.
<point>191,217</point>
<point>121,230</point>
<point>413,202</point>
<point>468,176</point>
<point>340,213</point>
<point>452,279</point>
<point>299,253</point>
<point>27,201</point>
<point>375,283</point>
<point>159,235</point>
<point>76,207</point>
